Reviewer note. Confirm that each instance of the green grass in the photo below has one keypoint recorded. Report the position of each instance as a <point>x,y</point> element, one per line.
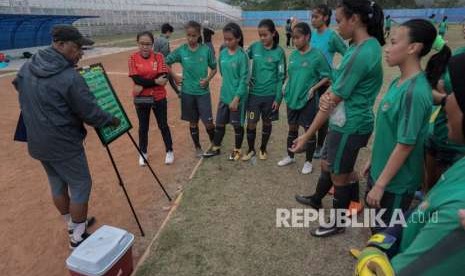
<point>225,223</point>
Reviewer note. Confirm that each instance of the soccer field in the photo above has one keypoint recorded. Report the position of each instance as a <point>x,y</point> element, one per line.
<point>226,220</point>
<point>224,223</point>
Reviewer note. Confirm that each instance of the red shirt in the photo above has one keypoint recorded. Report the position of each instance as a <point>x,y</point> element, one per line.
<point>149,68</point>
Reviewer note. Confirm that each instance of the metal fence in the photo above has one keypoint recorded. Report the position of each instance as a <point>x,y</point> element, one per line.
<point>120,16</point>
<point>252,18</point>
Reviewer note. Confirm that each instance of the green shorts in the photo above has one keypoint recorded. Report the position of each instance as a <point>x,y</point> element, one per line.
<point>340,150</point>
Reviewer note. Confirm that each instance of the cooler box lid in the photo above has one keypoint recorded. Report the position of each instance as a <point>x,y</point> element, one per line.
<point>99,252</point>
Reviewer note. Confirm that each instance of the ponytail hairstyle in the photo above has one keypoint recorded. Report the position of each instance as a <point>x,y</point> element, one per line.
<point>269,24</point>
<point>371,14</point>
<point>324,10</point>
<point>198,28</point>
<point>236,32</point>
<point>303,28</point>
<point>423,31</point>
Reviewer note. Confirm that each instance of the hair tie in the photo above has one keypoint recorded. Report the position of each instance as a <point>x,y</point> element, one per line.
<point>370,14</point>
<point>438,43</point>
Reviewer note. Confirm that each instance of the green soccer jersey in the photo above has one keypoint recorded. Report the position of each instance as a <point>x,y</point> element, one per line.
<point>358,81</point>
<point>195,64</point>
<point>329,43</point>
<point>442,28</point>
<point>234,68</point>
<point>388,23</point>
<point>402,118</point>
<point>304,72</point>
<point>268,70</point>
<point>439,131</point>
<point>432,242</point>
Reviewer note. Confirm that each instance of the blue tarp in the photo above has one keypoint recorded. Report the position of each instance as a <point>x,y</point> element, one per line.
<point>252,18</point>
<point>26,30</point>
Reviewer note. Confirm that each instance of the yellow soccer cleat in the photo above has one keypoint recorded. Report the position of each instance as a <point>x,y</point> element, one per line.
<point>235,155</point>
<point>248,156</point>
<point>373,262</point>
<point>263,155</point>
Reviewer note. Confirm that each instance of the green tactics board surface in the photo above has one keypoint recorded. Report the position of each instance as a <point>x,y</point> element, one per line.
<point>99,85</point>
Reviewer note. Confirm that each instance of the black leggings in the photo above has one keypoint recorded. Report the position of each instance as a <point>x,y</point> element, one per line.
<point>160,109</point>
<point>288,40</point>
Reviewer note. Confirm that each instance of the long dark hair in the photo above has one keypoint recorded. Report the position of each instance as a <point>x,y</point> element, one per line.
<point>236,31</point>
<point>371,14</point>
<point>422,31</point>
<point>324,10</point>
<point>303,28</point>
<point>269,24</point>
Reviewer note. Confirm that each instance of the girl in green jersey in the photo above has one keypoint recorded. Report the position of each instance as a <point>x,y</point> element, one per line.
<point>348,105</point>
<point>396,169</point>
<point>267,78</point>
<point>234,68</point>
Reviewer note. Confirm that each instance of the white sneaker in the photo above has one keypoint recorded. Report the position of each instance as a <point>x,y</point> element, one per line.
<point>141,160</point>
<point>169,159</point>
<point>308,168</point>
<point>286,161</point>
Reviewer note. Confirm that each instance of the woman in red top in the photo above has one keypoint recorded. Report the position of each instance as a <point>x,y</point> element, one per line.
<point>149,73</point>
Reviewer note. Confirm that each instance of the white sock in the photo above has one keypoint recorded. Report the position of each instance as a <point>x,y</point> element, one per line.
<point>68,221</point>
<point>79,229</point>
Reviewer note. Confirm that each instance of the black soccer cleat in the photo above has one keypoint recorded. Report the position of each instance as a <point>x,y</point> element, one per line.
<point>213,151</point>
<point>324,232</point>
<point>309,201</point>
<point>73,244</point>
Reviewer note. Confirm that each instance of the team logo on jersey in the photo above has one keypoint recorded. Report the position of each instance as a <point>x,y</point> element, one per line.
<point>423,206</point>
<point>201,59</point>
<point>233,64</point>
<point>155,65</point>
<point>269,59</point>
<point>305,64</point>
<point>385,107</point>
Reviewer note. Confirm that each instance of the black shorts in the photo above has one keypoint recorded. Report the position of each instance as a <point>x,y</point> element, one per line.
<point>225,116</point>
<point>390,202</point>
<point>195,107</point>
<point>340,150</point>
<point>261,107</point>
<point>445,157</point>
<point>304,116</point>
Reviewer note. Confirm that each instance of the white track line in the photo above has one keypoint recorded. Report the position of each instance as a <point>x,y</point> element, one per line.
<point>147,251</point>
<point>118,73</point>
<point>195,169</point>
<point>175,206</point>
<point>8,74</point>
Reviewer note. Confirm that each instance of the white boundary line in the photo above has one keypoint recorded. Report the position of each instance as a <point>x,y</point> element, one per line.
<point>174,41</point>
<point>147,250</point>
<point>8,74</point>
<point>118,73</point>
<point>146,254</point>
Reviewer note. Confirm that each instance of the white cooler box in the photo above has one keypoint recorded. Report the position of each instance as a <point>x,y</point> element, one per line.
<point>108,251</point>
